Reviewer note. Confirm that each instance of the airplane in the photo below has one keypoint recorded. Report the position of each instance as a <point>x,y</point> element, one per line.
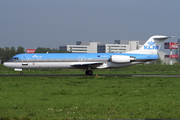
<point>88,61</point>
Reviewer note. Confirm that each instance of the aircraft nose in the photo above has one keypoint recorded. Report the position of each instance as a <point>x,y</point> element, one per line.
<point>9,64</point>
<point>6,64</point>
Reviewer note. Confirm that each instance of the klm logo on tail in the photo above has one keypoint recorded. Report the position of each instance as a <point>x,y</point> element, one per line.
<point>151,46</point>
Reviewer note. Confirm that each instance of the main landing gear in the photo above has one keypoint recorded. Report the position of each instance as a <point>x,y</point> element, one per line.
<point>89,72</point>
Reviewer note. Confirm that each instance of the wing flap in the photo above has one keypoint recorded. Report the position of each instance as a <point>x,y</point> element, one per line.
<point>86,65</point>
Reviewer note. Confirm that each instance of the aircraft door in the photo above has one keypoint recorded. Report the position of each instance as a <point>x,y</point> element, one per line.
<point>24,60</point>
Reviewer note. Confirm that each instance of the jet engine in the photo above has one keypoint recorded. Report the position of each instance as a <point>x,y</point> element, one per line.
<point>122,58</point>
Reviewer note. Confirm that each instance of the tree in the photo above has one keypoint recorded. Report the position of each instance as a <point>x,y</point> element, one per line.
<point>41,50</point>
<point>45,50</point>
<point>7,53</point>
<point>12,52</point>
<point>20,50</point>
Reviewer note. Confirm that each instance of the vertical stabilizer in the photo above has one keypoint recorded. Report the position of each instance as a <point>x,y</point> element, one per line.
<point>152,45</point>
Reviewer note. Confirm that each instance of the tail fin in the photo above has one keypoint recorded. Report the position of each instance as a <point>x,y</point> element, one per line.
<point>152,45</point>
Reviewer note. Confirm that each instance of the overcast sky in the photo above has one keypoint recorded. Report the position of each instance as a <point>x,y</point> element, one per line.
<point>51,23</point>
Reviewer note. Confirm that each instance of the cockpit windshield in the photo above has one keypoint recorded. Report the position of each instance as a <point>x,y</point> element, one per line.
<point>14,58</point>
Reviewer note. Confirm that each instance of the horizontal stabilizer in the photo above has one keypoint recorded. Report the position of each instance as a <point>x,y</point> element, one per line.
<point>162,37</point>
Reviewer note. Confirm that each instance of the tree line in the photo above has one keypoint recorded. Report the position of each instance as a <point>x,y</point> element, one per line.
<point>7,53</point>
<point>45,50</point>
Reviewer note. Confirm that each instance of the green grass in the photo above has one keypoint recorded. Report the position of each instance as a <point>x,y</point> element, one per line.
<point>89,97</point>
<point>135,69</point>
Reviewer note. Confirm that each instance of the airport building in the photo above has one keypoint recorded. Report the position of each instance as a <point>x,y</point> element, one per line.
<point>119,46</point>
<point>166,60</point>
<point>81,47</point>
<point>178,50</point>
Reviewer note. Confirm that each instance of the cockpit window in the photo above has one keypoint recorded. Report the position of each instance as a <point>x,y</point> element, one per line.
<point>14,58</point>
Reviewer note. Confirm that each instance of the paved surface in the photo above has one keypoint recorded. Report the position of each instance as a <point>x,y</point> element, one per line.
<point>156,75</point>
<point>99,75</point>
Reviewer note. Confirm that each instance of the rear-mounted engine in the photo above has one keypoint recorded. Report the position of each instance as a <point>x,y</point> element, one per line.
<point>122,58</point>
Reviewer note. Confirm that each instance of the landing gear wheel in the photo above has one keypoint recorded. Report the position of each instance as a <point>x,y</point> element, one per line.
<point>21,73</point>
<point>86,72</point>
<point>89,72</point>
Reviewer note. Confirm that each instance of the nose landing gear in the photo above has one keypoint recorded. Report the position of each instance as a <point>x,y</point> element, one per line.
<point>21,73</point>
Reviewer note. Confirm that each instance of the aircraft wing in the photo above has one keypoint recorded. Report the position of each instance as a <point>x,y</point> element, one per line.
<point>86,65</point>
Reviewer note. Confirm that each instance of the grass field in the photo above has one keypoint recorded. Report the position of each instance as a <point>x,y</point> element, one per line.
<point>89,98</point>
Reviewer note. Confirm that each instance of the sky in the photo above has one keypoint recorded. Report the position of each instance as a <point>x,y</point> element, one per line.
<point>52,23</point>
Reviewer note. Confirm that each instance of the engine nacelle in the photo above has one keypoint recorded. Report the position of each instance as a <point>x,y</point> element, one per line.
<point>122,58</point>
